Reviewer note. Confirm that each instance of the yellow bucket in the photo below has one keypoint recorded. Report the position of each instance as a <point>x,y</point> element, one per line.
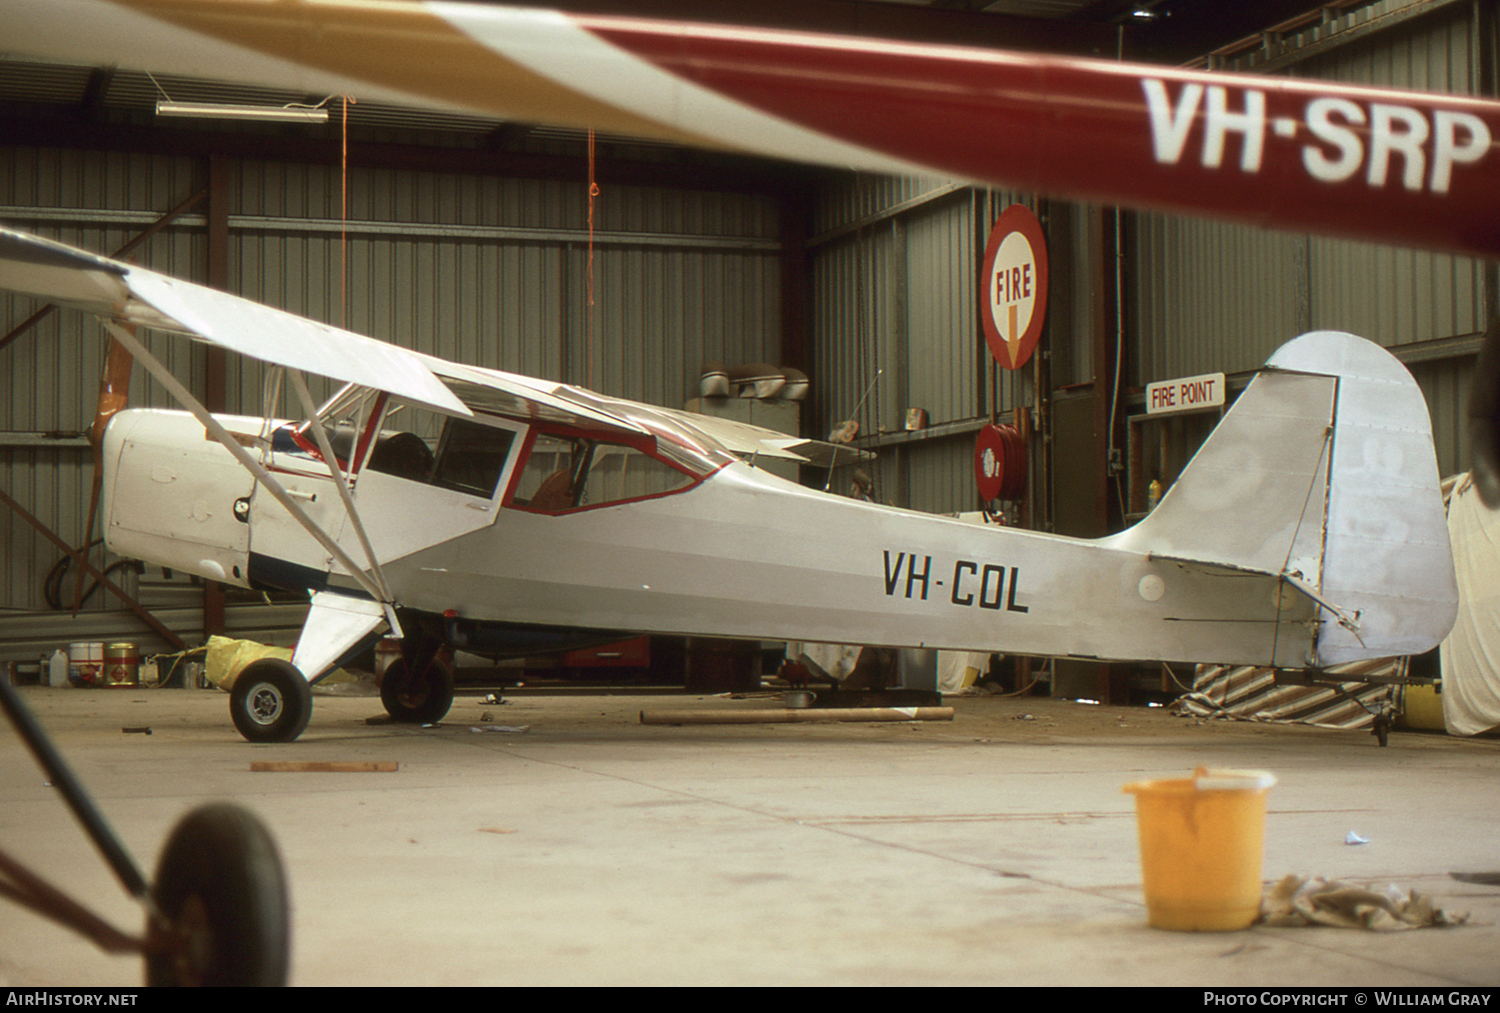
<point>1202,842</point>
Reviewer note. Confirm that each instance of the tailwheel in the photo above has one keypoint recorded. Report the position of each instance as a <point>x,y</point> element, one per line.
<point>221,904</point>
<point>417,699</point>
<point>270,701</point>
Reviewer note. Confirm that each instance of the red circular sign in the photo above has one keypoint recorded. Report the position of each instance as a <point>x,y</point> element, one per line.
<point>1013,286</point>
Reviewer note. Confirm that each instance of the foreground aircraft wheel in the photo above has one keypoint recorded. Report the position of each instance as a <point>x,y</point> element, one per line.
<point>220,889</point>
<point>419,700</point>
<point>270,702</point>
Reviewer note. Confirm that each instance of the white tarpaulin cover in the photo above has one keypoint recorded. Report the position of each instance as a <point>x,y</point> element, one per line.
<point>1471,654</point>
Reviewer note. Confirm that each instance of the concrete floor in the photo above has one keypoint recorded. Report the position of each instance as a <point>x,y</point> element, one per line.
<point>591,849</point>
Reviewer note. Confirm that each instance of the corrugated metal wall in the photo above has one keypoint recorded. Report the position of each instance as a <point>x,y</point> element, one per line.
<point>477,269</point>
<point>51,372</point>
<point>895,263</point>
<point>1212,297</point>
<point>495,271</point>
<point>1445,385</point>
<point>1072,263</point>
<point>1218,297</point>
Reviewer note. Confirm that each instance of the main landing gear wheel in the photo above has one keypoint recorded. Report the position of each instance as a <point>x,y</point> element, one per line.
<point>222,895</point>
<point>270,702</point>
<point>419,700</point>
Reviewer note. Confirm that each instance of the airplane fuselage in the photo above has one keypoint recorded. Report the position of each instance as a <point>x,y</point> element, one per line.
<point>717,560</point>
<point>737,552</point>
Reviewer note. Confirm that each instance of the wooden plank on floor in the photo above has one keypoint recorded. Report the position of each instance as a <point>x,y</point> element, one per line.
<point>324,766</point>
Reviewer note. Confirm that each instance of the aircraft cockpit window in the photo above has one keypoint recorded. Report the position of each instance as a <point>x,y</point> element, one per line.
<point>471,457</point>
<point>405,455</point>
<point>547,478</point>
<point>618,473</point>
<point>414,444</point>
<point>570,473</point>
<point>463,455</point>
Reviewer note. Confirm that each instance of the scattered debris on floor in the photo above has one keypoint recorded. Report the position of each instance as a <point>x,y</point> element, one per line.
<point>795,715</point>
<point>1298,901</point>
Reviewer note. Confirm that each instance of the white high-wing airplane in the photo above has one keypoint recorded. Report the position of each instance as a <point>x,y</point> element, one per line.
<point>459,505</point>
<point>456,504</point>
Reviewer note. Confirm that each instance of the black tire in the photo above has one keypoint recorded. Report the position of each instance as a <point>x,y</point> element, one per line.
<point>421,700</point>
<point>221,889</point>
<point>270,702</point>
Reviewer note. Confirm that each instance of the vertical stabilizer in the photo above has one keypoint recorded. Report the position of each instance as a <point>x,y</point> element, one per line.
<point>1323,472</point>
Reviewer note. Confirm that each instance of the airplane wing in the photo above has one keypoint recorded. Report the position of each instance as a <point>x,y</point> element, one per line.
<point>754,441</point>
<point>502,393</point>
<point>107,288</point>
<point>493,390</point>
<point>133,295</point>
<point>1380,164</point>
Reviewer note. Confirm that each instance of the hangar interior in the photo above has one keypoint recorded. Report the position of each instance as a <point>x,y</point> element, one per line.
<point>478,241</point>
<point>626,267</point>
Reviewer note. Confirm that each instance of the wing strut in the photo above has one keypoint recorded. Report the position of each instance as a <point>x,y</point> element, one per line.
<point>299,383</point>
<point>218,432</point>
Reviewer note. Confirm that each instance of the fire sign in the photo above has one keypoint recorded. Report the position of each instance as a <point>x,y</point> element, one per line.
<point>1013,286</point>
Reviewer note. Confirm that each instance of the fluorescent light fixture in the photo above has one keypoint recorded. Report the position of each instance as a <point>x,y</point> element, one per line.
<point>227,111</point>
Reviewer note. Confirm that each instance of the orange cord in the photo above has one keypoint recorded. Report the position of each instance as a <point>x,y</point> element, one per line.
<point>593,192</point>
<point>344,220</point>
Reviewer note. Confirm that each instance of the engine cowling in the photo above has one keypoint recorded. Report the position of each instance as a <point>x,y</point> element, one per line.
<point>171,494</point>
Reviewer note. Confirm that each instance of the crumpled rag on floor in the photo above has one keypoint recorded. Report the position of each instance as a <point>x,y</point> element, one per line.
<point>1310,900</point>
